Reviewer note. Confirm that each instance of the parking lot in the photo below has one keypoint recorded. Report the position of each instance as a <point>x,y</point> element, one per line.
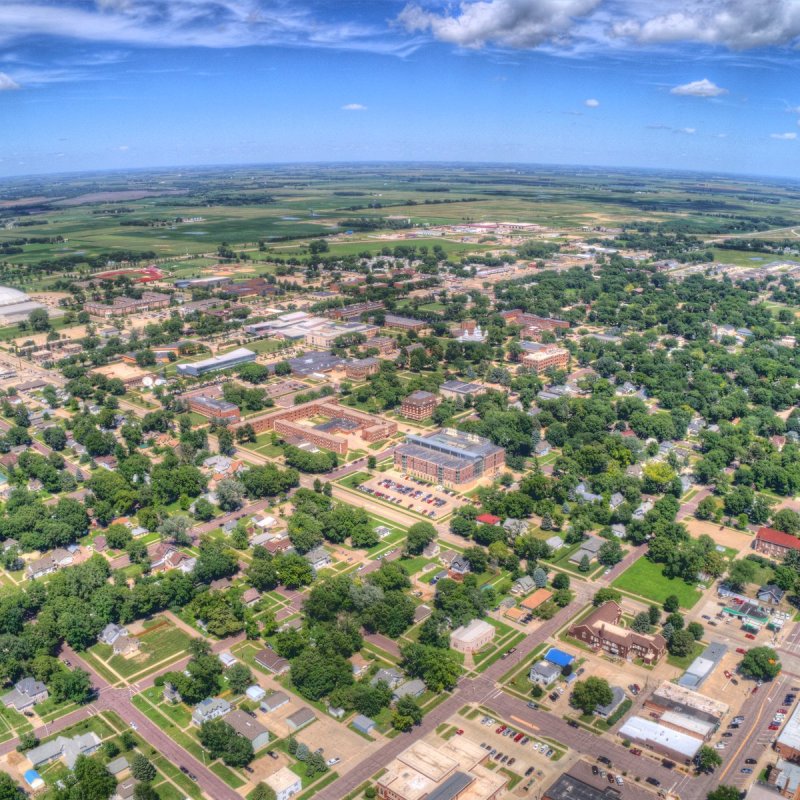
<point>412,494</point>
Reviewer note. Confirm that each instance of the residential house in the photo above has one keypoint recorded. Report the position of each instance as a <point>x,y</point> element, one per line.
<point>363,724</point>
<point>412,688</point>
<point>274,701</point>
<point>255,693</point>
<point>589,548</point>
<point>459,567</point>
<point>210,708</point>
<point>770,594</point>
<point>68,748</point>
<point>305,716</point>
<point>26,693</point>
<point>250,728</point>
<point>164,557</point>
<point>617,699</point>
<point>284,783</point>
<point>390,676</point>
<point>271,661</point>
<point>523,585</point>
<point>111,633</point>
<point>543,673</point>
<point>319,558</point>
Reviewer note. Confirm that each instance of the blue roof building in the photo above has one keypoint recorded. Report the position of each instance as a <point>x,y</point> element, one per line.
<point>559,657</point>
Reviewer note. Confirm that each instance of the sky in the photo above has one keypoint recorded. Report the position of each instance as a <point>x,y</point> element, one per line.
<point>706,85</point>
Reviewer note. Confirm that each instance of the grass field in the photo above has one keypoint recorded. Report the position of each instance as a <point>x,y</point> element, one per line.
<point>646,579</point>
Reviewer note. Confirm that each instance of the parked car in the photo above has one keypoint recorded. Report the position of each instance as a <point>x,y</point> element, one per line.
<point>653,781</point>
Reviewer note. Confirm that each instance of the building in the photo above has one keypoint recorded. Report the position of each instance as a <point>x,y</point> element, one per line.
<point>601,631</point>
<point>215,408</point>
<point>359,369</point>
<point>111,633</point>
<point>547,358</point>
<point>533,601</point>
<point>271,661</point>
<point>48,564</point>
<point>291,423</point>
<point>518,317</point>
<point>703,666</point>
<point>785,776</point>
<point>472,637</point>
<point>355,310</point>
<point>210,708</point>
<point>319,558</point>
<point>404,323</point>
<point>589,549</point>
<point>126,646</point>
<point>363,724</point>
<point>325,336</point>
<point>25,694</point>
<point>449,457</point>
<point>284,783</point>
<point>419,405</point>
<point>788,742</point>
<point>568,787</point>
<point>301,718</point>
<point>383,344</point>
<point>543,673</point>
<point>617,699</point>
<point>249,727</point>
<point>69,749</point>
<point>122,306</point>
<point>274,701</point>
<point>674,744</point>
<point>775,544</point>
<point>670,697</point>
<point>227,361</point>
<point>16,306</point>
<point>453,390</point>
<point>449,772</point>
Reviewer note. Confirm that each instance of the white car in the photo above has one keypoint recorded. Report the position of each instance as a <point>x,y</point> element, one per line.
<point>134,726</point>
<point>331,761</point>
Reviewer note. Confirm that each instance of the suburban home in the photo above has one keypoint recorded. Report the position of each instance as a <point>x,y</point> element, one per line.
<point>250,597</point>
<point>617,499</point>
<point>49,563</point>
<point>770,594</point>
<point>255,692</point>
<point>523,585</point>
<point>412,688</point>
<point>284,783</point>
<point>617,699</point>
<point>210,708</point>
<point>390,676</point>
<point>601,631</point>
<point>125,789</point>
<point>271,661</point>
<point>126,646</point>
<point>118,766</point>
<point>305,716</point>
<point>63,747</point>
<point>555,543</point>
<point>250,728</point>
<point>164,557</point>
<point>25,694</point>
<point>319,558</point>
<point>459,567</point>
<point>472,637</point>
<point>589,548</point>
<point>360,664</point>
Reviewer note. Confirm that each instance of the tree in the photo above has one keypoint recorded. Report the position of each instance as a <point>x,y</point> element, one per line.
<point>560,581</point>
<point>707,759</point>
<point>8,789</point>
<point>39,320</point>
<point>419,536</point>
<point>477,559</point>
<point>239,677</point>
<point>605,595</point>
<point>585,565</point>
<point>641,622</point>
<point>785,520</point>
<point>176,530</point>
<point>680,643</point>
<point>55,438</point>
<point>263,792</point>
<point>225,442</point>
<point>145,791</point>
<point>760,663</point>
<point>741,572</point>
<point>589,694</point>
<point>696,629</point>
<point>539,577</point>
<point>73,685</point>
<point>222,741</point>
<point>724,793</point>
<point>706,508</point>
<point>610,553</point>
<point>672,603</point>
<point>230,494</point>
<point>654,614</point>
<point>142,769</point>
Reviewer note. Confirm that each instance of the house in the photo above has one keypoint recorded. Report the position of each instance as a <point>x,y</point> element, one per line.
<point>69,749</point>
<point>25,694</point>
<point>617,499</point>
<point>170,693</point>
<point>646,506</point>
<point>390,676</point>
<point>227,658</point>
<point>523,585</point>
<point>472,637</point>
<point>363,724</point>
<point>459,567</point>
<point>274,701</point>
<point>412,688</point>
<point>583,493</point>
<point>617,699</point>
<point>431,550</point>
<point>770,594</point>
<point>250,728</point>
<point>118,766</point>
<point>533,601</point>
<point>125,789</point>
<point>488,519</point>
<point>210,708</point>
<point>318,558</point>
<point>305,716</point>
<point>250,597</point>
<point>589,548</point>
<point>619,530</point>
<point>164,557</point>
<point>554,543</point>
<point>601,631</point>
<point>271,661</point>
<point>543,673</point>
<point>284,783</point>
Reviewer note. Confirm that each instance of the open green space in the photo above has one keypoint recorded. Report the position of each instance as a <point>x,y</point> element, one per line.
<point>646,579</point>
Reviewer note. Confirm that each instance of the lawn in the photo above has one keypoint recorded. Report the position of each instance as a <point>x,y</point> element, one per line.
<point>683,662</point>
<point>646,579</point>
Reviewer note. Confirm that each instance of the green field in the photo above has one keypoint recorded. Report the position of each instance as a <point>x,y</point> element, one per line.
<point>646,579</point>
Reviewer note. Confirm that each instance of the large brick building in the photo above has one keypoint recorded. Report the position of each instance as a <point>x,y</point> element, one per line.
<point>601,631</point>
<point>449,457</point>
<point>419,405</point>
<point>340,419</point>
<point>122,306</point>
<point>358,369</point>
<point>214,408</point>
<point>404,323</point>
<point>518,317</point>
<point>549,357</point>
<point>355,310</point>
<point>776,544</point>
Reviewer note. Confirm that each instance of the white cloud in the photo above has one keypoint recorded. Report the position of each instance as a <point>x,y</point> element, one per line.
<point>353,107</point>
<point>787,137</point>
<point>591,103</point>
<point>7,83</point>
<point>509,23</point>
<point>702,88</point>
<point>688,131</point>
<point>123,148</point>
<point>734,24</point>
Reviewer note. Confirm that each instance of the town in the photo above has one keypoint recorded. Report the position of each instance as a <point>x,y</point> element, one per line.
<point>410,506</point>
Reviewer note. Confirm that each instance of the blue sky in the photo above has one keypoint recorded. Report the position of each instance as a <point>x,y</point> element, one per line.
<point>690,84</point>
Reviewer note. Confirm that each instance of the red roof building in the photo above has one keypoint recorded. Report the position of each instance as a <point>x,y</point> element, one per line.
<point>488,519</point>
<point>775,543</point>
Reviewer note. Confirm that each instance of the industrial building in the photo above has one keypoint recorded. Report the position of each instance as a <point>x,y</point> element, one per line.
<point>233,359</point>
<point>665,741</point>
<point>449,457</point>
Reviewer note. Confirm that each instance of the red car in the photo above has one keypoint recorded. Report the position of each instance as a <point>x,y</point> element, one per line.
<point>728,674</point>
<point>749,636</point>
<point>500,729</point>
<point>460,732</point>
<point>773,727</point>
<point>518,737</point>
<point>741,651</point>
<point>636,751</point>
<point>755,689</point>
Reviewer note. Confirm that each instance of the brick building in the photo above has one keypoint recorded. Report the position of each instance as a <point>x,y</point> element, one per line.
<point>122,306</point>
<point>601,631</point>
<point>775,544</point>
<point>547,358</point>
<point>355,310</point>
<point>358,369</point>
<point>404,323</point>
<point>419,405</point>
<point>215,408</point>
